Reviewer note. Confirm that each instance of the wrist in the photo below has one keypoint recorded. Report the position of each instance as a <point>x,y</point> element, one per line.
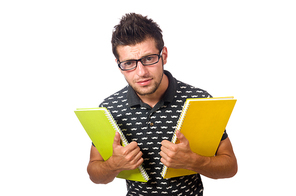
<point>111,166</point>
<point>197,162</point>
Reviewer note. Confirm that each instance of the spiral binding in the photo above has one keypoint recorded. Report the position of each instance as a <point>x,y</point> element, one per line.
<point>115,126</point>
<point>124,140</point>
<point>180,121</point>
<point>179,126</point>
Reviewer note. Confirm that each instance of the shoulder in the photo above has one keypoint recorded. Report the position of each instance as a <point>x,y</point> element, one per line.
<point>190,91</point>
<point>116,98</point>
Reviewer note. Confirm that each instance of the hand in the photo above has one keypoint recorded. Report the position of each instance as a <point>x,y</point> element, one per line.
<point>176,155</point>
<point>125,158</point>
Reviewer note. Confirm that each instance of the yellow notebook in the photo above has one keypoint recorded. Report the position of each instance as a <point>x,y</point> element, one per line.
<point>101,127</point>
<point>202,122</point>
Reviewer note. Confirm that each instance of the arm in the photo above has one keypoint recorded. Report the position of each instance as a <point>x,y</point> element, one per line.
<point>100,171</point>
<point>223,165</point>
<point>123,158</point>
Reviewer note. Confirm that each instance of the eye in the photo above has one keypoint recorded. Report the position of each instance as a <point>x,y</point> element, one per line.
<point>128,63</point>
<point>150,59</point>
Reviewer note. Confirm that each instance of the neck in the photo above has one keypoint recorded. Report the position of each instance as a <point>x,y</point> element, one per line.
<point>154,98</point>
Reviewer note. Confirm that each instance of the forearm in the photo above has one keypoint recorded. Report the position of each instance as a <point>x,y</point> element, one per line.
<point>180,156</point>
<point>100,172</point>
<point>222,166</point>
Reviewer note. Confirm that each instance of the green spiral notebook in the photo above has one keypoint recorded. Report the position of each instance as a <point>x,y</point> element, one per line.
<point>101,127</point>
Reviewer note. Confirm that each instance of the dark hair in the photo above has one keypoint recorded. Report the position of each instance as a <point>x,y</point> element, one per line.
<point>133,29</point>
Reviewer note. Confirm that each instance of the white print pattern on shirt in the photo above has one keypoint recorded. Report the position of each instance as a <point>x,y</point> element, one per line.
<point>148,130</point>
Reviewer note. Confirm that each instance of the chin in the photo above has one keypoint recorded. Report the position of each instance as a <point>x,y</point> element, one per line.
<point>145,90</point>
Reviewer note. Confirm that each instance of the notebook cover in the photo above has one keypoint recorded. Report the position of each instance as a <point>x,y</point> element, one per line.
<point>203,124</point>
<point>101,130</point>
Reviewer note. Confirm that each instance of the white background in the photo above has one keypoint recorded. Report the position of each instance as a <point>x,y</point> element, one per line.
<point>56,56</point>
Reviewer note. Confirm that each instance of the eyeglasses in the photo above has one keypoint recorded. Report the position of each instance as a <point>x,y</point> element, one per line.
<point>146,60</point>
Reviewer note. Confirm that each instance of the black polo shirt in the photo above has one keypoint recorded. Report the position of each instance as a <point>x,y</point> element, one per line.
<point>148,127</point>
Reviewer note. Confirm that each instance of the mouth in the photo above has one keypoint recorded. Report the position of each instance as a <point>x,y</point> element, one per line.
<point>144,82</point>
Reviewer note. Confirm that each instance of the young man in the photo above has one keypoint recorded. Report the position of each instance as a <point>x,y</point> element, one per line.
<point>147,111</point>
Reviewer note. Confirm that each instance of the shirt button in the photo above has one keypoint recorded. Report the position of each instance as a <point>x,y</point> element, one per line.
<point>151,124</point>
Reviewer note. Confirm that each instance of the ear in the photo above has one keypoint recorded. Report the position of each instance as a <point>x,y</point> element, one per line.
<point>164,54</point>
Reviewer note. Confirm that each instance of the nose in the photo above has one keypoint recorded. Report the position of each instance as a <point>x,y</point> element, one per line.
<point>141,69</point>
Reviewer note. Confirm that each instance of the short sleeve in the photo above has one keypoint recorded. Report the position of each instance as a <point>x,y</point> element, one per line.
<point>224,136</point>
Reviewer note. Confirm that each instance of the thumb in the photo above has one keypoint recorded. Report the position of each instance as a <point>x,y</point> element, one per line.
<point>181,137</point>
<point>116,139</point>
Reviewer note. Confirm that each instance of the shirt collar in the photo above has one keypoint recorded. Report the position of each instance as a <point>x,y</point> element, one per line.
<point>134,100</point>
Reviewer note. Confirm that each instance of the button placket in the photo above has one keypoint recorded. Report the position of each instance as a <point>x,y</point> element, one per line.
<point>149,119</point>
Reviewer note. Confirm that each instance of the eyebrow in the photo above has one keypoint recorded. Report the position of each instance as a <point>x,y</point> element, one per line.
<point>147,54</point>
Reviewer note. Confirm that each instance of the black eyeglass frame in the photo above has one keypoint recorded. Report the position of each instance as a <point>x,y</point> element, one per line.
<point>159,55</point>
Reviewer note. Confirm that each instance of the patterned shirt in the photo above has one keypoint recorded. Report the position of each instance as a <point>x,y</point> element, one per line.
<point>148,127</point>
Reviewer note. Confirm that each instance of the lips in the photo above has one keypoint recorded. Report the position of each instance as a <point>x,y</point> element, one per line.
<point>144,82</point>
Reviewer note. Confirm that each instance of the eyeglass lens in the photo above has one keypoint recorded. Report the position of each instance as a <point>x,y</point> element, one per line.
<point>147,60</point>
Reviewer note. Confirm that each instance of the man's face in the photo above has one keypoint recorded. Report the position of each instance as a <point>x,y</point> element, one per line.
<point>145,80</point>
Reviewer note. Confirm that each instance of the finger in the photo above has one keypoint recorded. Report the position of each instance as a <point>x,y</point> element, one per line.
<point>166,143</point>
<point>163,154</point>
<point>164,162</point>
<point>139,160</point>
<point>135,151</point>
<point>116,141</point>
<point>133,145</point>
<point>131,149</point>
<point>164,158</point>
<point>134,157</point>
<point>164,149</point>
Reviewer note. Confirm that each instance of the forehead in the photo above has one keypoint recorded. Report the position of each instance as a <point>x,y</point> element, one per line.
<point>137,51</point>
